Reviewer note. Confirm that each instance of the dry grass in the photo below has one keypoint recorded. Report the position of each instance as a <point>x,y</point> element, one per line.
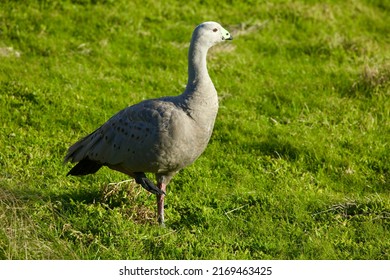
<point>9,52</point>
<point>22,237</point>
<point>376,75</point>
<point>127,195</point>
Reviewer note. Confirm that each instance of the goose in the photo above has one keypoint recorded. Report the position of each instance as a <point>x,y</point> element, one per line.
<point>162,135</point>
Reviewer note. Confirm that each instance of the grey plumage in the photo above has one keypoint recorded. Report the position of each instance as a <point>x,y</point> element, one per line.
<point>159,136</point>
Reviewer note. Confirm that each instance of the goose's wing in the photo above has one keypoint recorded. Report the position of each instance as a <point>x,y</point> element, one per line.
<point>129,138</point>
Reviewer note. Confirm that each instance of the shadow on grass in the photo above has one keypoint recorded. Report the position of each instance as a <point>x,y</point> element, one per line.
<point>276,147</point>
<point>189,217</point>
<point>126,197</point>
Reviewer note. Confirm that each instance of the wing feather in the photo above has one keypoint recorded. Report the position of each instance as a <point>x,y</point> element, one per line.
<point>132,137</point>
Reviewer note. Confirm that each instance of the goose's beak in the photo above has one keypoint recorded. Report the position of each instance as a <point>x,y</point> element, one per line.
<point>226,35</point>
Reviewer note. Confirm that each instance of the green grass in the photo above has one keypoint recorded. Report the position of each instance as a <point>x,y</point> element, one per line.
<point>298,165</point>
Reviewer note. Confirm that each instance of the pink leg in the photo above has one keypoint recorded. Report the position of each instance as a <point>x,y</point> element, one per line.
<point>160,204</point>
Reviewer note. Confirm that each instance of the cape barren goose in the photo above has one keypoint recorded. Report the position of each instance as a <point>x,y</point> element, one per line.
<point>162,135</point>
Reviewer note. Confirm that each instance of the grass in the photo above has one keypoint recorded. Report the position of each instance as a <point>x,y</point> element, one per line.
<point>298,165</point>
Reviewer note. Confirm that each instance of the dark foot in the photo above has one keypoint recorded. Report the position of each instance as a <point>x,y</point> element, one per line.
<point>141,179</point>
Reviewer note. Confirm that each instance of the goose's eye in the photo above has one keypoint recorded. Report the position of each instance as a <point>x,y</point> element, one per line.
<point>215,29</point>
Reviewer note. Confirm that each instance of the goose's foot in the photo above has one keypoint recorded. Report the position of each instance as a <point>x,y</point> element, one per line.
<point>140,178</point>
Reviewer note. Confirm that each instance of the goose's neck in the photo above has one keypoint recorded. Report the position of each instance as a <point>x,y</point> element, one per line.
<point>198,76</point>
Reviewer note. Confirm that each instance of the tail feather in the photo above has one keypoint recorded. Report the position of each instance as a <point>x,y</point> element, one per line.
<point>84,167</point>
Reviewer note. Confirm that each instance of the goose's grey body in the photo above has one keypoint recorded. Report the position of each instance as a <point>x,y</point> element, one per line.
<point>160,136</point>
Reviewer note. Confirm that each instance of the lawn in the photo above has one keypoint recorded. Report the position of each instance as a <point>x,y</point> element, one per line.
<point>298,166</point>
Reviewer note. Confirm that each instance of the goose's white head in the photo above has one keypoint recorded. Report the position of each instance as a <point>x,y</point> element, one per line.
<point>210,33</point>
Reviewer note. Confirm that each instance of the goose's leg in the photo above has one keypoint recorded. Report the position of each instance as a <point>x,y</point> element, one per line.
<point>160,203</point>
